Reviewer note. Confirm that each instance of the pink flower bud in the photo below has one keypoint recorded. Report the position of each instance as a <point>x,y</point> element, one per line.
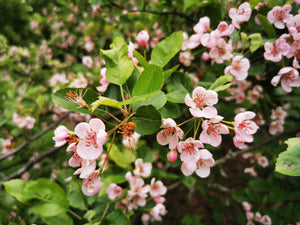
<point>172,156</point>
<point>142,38</point>
<point>205,56</point>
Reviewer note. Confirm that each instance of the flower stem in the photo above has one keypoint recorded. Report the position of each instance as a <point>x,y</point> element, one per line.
<point>184,122</point>
<point>104,213</point>
<point>74,214</point>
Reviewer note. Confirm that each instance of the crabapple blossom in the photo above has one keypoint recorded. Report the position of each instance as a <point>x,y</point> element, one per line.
<point>221,51</point>
<point>103,81</point>
<point>194,41</point>
<point>92,136</point>
<point>87,61</point>
<point>131,141</point>
<point>279,16</point>
<point>255,93</point>
<point>61,134</point>
<point>240,15</point>
<point>224,30</point>
<point>189,150</point>
<point>131,48</point>
<point>142,169</point>
<point>202,102</point>
<point>290,78</point>
<point>265,220</point>
<point>142,38</point>
<point>172,155</point>
<point>169,134</point>
<point>204,163</point>
<point>275,51</point>
<point>246,206</point>
<point>87,168</point>
<point>114,191</point>
<point>212,130</point>
<point>156,212</point>
<point>250,171</point>
<point>244,128</point>
<point>239,67</point>
<point>185,41</point>
<point>91,185</point>
<point>185,58</point>
<point>157,188</point>
<point>262,161</point>
<point>26,122</point>
<point>293,26</point>
<point>209,40</point>
<point>202,26</point>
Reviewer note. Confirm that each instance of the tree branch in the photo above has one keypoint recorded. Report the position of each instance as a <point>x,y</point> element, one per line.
<point>33,160</point>
<point>35,137</point>
<point>232,155</point>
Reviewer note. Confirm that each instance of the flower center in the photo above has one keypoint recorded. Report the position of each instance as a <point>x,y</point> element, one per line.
<point>91,139</point>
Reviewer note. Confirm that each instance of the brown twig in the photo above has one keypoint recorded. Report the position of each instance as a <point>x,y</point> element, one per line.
<point>35,137</point>
<point>232,155</point>
<point>29,164</point>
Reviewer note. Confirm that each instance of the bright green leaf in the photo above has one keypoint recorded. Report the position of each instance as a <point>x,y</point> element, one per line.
<point>117,217</point>
<point>169,72</point>
<point>150,81</point>
<point>75,195</point>
<point>105,101</point>
<point>158,101</point>
<point>147,120</point>
<point>253,3</point>
<point>165,50</point>
<point>256,41</point>
<point>141,59</point>
<point>16,188</point>
<point>176,96</point>
<point>221,83</point>
<point>119,67</point>
<point>288,162</point>
<point>188,3</point>
<point>122,157</point>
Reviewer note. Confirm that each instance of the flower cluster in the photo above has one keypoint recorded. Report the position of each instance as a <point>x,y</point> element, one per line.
<point>251,217</point>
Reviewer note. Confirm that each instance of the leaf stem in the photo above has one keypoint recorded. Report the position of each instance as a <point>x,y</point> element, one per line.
<point>104,213</point>
<point>74,214</point>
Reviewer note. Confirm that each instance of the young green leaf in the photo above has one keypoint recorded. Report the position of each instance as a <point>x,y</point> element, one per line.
<point>119,67</point>
<point>256,41</point>
<point>165,50</point>
<point>267,26</point>
<point>222,83</point>
<point>105,101</point>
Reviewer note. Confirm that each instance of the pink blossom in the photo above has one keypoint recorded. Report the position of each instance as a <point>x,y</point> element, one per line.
<point>202,102</point>
<point>279,16</point>
<point>255,93</point>
<point>222,51</point>
<point>240,15</point>
<point>276,126</point>
<point>212,130</point>
<point>266,220</point>
<point>290,78</point>
<point>224,30</point>
<point>209,40</point>
<point>87,61</point>
<point>131,141</point>
<point>92,137</point>
<point>205,56</point>
<point>142,38</point>
<point>103,81</point>
<point>250,171</point>
<point>194,41</point>
<point>246,206</point>
<point>189,150</point>
<point>87,168</point>
<point>26,122</point>
<point>61,134</point>
<point>142,169</point>
<point>185,41</point>
<point>202,26</point>
<point>157,211</point>
<point>239,67</point>
<point>293,26</point>
<point>80,82</point>
<point>275,51</point>
<point>91,185</point>
<point>262,161</point>
<point>244,128</point>
<point>185,58</point>
<point>114,191</point>
<point>131,48</point>
<point>169,134</point>
<point>157,188</point>
<point>204,163</point>
<point>172,156</point>
<point>89,45</point>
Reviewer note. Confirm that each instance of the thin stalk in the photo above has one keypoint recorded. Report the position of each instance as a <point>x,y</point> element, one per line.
<point>119,121</point>
<point>74,214</point>
<point>123,98</point>
<point>104,213</point>
<point>197,129</point>
<point>184,122</point>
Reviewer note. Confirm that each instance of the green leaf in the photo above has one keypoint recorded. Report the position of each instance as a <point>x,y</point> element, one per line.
<point>163,174</point>
<point>188,3</point>
<point>244,38</point>
<point>165,50</point>
<point>135,99</point>
<point>141,59</point>
<point>188,181</point>
<point>256,41</point>
<point>288,162</point>
<point>16,188</point>
<point>75,195</point>
<point>170,110</point>
<point>272,3</point>
<point>117,217</point>
<point>60,99</point>
<point>105,101</point>
<point>122,158</point>
<point>147,120</point>
<point>221,83</point>
<point>158,101</point>
<point>267,26</point>
<point>169,72</point>
<point>150,81</point>
<point>253,3</point>
<point>176,96</point>
<point>119,67</point>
